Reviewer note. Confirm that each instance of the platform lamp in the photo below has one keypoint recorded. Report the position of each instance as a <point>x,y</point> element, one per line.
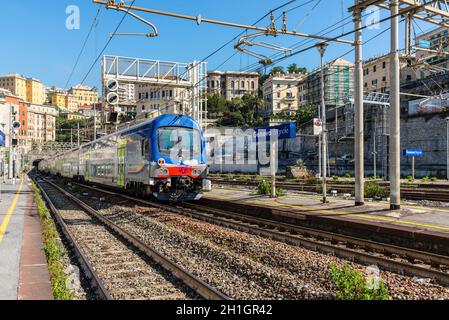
<point>321,46</point>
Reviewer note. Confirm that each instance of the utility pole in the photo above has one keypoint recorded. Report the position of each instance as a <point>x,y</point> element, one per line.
<point>395,160</point>
<point>358,110</point>
<point>322,49</point>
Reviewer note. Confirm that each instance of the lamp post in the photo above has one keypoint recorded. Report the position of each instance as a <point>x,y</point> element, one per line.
<point>322,49</point>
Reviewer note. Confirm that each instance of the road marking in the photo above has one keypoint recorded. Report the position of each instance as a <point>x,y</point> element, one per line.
<point>335,212</point>
<point>10,211</point>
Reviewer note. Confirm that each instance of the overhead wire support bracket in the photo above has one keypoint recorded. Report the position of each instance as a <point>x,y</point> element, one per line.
<point>198,19</point>
<point>120,7</point>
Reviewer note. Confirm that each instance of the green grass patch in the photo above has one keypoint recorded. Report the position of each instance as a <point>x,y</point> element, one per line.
<point>352,285</point>
<point>54,251</point>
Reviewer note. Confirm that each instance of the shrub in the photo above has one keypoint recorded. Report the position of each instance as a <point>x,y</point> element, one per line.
<point>434,179</point>
<point>374,190</point>
<point>264,188</point>
<point>425,179</point>
<point>347,175</point>
<point>335,178</point>
<point>352,285</point>
<point>410,178</point>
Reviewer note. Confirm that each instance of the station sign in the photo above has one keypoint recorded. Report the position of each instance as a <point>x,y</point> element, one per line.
<point>2,139</point>
<point>424,44</point>
<point>413,153</point>
<point>285,131</point>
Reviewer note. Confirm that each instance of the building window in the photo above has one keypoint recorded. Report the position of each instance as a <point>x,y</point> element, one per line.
<point>232,84</point>
<point>243,84</point>
<point>252,85</point>
<point>384,78</point>
<point>384,65</point>
<point>374,68</point>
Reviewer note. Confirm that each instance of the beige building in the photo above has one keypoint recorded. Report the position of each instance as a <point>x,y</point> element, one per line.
<point>84,95</point>
<point>28,89</point>
<point>71,103</point>
<point>42,123</point>
<point>232,84</point>
<point>281,93</point>
<point>376,74</point>
<point>16,84</point>
<point>35,91</point>
<point>153,101</point>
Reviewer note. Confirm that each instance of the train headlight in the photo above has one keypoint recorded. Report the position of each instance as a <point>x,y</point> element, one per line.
<point>161,162</point>
<point>163,172</point>
<point>197,172</point>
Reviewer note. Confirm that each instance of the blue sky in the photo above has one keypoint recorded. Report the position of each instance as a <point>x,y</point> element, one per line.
<point>36,42</point>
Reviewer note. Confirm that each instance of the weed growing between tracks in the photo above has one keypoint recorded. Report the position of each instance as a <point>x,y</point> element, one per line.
<point>352,285</point>
<point>54,250</point>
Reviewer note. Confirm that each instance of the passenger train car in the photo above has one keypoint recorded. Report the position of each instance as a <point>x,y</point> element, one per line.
<point>164,158</point>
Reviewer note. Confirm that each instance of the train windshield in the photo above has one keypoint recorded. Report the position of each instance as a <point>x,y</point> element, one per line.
<point>177,142</point>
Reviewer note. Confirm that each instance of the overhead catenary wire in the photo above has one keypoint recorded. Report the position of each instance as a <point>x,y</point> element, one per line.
<point>94,24</point>
<point>106,44</point>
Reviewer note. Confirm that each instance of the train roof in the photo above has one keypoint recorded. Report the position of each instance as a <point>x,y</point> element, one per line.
<point>161,121</point>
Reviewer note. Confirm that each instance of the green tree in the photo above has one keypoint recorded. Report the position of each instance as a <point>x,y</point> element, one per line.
<point>278,69</point>
<point>64,126</point>
<point>293,68</point>
<point>216,105</point>
<point>305,113</point>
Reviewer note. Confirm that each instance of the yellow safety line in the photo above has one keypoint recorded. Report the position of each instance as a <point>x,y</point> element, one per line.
<point>10,211</point>
<point>335,212</point>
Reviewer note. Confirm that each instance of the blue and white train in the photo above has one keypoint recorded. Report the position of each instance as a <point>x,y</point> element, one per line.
<point>164,158</point>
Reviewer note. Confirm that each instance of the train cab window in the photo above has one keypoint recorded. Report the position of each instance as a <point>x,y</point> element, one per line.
<point>179,141</point>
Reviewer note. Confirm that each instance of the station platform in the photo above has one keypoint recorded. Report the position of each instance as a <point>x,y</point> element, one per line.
<point>413,222</point>
<point>23,268</point>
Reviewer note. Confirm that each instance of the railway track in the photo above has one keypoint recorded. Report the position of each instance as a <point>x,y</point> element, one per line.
<point>421,192</point>
<point>119,265</point>
<point>389,257</point>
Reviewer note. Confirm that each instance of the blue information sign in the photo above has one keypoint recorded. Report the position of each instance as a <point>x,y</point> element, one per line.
<point>285,131</point>
<point>413,153</point>
<point>2,139</point>
<point>424,44</point>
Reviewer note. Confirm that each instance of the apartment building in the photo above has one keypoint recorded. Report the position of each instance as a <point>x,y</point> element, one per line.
<point>438,39</point>
<point>35,91</point>
<point>84,94</point>
<point>42,123</point>
<point>28,89</point>
<point>16,84</point>
<point>153,101</point>
<point>232,84</point>
<point>281,93</point>
<point>338,83</point>
<point>376,73</point>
